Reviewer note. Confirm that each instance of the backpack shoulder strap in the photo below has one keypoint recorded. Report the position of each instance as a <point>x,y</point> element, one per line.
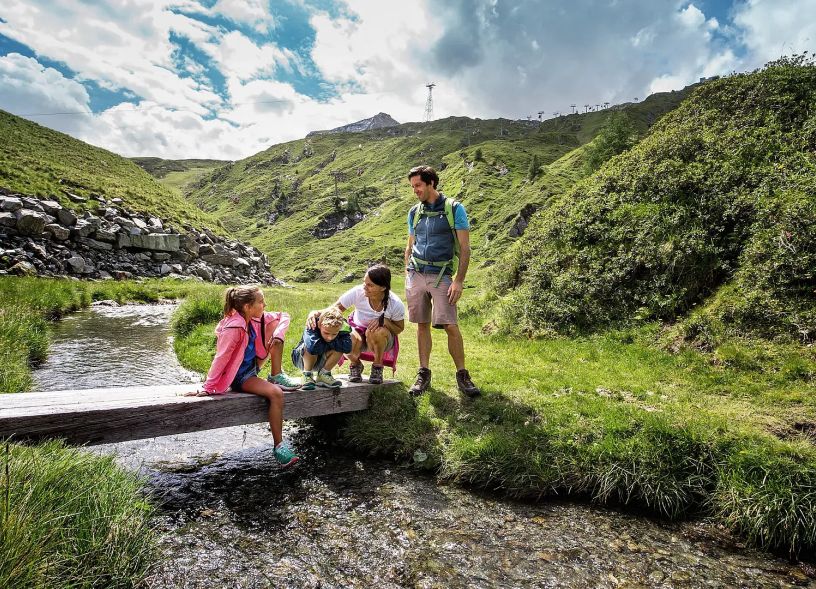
<point>418,210</point>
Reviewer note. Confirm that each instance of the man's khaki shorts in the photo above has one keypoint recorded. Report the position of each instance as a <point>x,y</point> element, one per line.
<point>428,303</point>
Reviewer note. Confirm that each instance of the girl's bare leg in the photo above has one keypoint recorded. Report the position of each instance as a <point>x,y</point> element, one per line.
<point>274,394</point>
<point>275,357</point>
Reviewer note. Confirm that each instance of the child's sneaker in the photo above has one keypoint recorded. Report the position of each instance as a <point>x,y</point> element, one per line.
<point>325,379</point>
<point>308,381</point>
<point>284,381</point>
<point>285,455</point>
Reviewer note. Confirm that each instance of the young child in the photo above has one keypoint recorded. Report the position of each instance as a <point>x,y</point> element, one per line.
<point>321,348</point>
<point>241,351</point>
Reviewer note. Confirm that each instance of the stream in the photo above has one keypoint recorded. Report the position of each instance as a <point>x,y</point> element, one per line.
<point>229,516</point>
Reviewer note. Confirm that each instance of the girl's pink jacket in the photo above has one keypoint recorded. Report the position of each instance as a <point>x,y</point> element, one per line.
<point>233,338</point>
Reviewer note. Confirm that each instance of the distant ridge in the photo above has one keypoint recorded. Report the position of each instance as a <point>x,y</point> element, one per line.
<point>379,121</point>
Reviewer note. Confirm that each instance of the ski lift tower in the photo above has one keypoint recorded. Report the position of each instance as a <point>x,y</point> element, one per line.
<point>429,103</point>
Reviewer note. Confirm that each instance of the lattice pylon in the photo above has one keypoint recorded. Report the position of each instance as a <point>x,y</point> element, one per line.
<point>429,103</point>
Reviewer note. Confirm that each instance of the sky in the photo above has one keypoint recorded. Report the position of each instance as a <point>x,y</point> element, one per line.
<point>226,79</point>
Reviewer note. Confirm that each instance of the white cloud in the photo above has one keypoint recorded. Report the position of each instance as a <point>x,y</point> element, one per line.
<point>31,88</point>
<point>691,16</point>
<point>252,12</point>
<point>487,58</point>
<point>774,28</point>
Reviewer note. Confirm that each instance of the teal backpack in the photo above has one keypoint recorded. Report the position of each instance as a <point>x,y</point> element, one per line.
<point>453,264</point>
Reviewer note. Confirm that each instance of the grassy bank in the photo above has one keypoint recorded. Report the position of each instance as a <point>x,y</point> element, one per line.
<point>70,519</point>
<point>612,417</point>
<point>26,305</point>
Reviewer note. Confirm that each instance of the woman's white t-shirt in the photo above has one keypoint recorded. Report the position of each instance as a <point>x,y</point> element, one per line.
<point>363,313</point>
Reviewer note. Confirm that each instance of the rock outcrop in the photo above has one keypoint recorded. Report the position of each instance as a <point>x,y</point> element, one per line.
<point>379,121</point>
<point>41,237</point>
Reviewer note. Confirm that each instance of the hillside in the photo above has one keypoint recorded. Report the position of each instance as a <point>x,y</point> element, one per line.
<point>323,206</point>
<point>710,219</point>
<point>39,161</point>
<point>159,168</point>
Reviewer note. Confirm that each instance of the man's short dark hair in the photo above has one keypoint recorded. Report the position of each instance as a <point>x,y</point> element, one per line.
<point>426,173</point>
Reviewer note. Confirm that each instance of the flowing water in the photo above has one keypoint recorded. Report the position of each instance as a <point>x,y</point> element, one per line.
<point>230,517</point>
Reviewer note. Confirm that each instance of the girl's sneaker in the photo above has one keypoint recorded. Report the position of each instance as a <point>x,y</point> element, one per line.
<point>285,455</point>
<point>308,381</point>
<point>284,381</point>
<point>325,379</point>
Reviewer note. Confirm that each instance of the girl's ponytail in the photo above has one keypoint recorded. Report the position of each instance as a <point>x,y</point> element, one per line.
<point>228,299</point>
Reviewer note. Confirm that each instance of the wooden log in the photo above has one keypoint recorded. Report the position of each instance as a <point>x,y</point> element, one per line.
<point>97,416</point>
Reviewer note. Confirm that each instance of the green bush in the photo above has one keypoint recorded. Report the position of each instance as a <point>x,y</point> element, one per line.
<point>719,194</point>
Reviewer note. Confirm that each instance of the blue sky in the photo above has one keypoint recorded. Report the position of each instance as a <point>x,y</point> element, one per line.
<point>227,78</point>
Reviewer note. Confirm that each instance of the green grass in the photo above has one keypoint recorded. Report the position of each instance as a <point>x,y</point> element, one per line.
<point>612,417</point>
<point>69,518</point>
<point>26,305</point>
<point>42,162</point>
<point>295,183</point>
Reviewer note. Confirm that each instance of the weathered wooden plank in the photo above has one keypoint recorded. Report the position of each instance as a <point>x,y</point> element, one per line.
<point>96,416</point>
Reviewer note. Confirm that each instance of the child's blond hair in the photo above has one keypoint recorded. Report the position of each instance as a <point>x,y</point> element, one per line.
<point>332,317</point>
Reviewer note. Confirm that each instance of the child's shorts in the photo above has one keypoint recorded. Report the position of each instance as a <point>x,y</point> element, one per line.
<point>239,380</point>
<point>297,358</point>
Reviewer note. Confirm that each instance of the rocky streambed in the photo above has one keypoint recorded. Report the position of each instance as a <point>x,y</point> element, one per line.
<point>229,516</point>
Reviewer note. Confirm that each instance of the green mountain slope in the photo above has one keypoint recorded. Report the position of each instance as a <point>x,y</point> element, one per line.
<point>279,199</point>
<point>715,210</point>
<point>42,162</point>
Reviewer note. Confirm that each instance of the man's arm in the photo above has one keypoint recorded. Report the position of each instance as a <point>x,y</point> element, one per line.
<point>455,289</point>
<point>408,249</point>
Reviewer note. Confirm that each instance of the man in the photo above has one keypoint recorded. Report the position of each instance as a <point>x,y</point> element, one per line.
<point>432,283</point>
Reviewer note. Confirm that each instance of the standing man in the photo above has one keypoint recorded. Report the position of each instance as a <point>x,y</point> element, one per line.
<point>438,234</point>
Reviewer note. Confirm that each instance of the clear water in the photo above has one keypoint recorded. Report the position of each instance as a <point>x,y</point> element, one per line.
<point>230,517</point>
<point>105,346</point>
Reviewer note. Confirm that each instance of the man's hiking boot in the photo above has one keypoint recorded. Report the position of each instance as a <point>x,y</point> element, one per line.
<point>376,376</point>
<point>325,379</point>
<point>356,372</point>
<point>308,381</point>
<point>285,455</point>
<point>466,385</point>
<point>422,382</point>
<point>284,381</point>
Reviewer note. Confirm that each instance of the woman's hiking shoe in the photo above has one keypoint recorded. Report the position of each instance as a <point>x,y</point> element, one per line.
<point>284,381</point>
<point>376,376</point>
<point>325,379</point>
<point>356,372</point>
<point>422,382</point>
<point>285,455</point>
<point>465,384</point>
<point>308,381</point>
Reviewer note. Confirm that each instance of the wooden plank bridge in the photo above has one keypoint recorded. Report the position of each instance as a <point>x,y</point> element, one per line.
<point>97,416</point>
